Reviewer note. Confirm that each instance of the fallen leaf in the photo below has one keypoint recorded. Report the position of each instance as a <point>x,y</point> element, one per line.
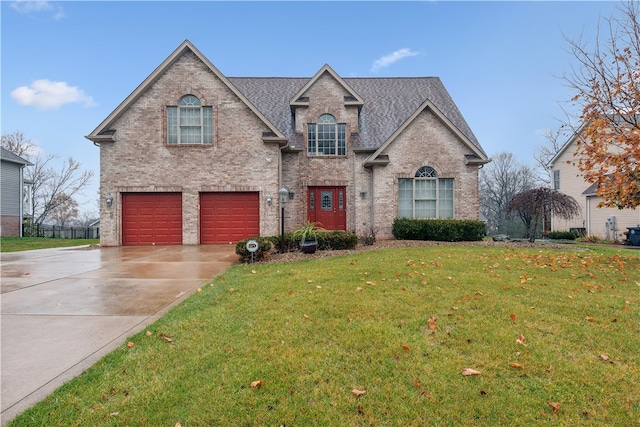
<point>309,281</point>
<point>590,319</point>
<point>550,368</point>
<point>253,272</point>
<point>149,333</point>
<point>358,393</point>
<point>454,308</point>
<point>178,424</point>
<point>130,344</point>
<point>256,384</point>
<point>416,384</point>
<point>469,371</point>
<point>432,322</point>
<point>199,289</point>
<point>405,347</point>
<point>166,338</point>
<point>521,340</point>
<point>605,358</point>
<point>513,316</point>
<point>231,290</point>
<point>555,406</point>
<point>318,287</point>
<point>517,365</point>
<point>306,316</point>
<point>358,288</point>
<point>423,281</point>
<point>371,283</point>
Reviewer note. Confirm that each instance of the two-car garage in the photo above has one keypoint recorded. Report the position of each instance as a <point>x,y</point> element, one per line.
<point>157,218</point>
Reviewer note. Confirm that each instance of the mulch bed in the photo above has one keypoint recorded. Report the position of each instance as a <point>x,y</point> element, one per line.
<point>274,256</point>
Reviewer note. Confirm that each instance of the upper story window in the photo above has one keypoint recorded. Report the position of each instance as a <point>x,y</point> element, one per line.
<point>189,122</point>
<point>556,179</point>
<point>425,195</point>
<point>326,137</point>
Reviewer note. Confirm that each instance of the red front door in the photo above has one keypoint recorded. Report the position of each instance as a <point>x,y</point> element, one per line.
<point>328,207</point>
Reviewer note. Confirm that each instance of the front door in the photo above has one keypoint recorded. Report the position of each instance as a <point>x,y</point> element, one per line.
<point>328,207</point>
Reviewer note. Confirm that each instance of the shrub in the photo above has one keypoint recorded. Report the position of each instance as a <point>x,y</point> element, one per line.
<point>443,230</point>
<point>337,240</point>
<point>264,245</point>
<point>563,235</point>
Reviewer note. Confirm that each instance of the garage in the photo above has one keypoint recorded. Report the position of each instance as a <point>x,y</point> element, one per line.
<point>151,219</point>
<point>229,217</point>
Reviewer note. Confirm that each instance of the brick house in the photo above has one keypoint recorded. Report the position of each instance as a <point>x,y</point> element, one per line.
<point>195,157</point>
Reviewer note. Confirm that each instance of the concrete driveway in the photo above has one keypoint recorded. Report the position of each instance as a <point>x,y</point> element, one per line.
<point>63,309</point>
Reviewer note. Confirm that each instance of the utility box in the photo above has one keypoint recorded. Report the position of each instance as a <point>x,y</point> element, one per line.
<point>633,236</point>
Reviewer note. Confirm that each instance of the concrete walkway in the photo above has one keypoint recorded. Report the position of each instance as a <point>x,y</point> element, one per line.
<point>63,309</point>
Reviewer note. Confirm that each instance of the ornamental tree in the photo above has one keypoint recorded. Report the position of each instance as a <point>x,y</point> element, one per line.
<point>532,205</point>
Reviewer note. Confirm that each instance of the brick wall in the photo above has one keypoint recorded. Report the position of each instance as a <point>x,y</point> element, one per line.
<point>425,142</point>
<point>140,160</point>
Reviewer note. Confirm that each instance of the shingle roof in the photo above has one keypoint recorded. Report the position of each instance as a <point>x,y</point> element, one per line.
<point>388,103</point>
<point>13,158</point>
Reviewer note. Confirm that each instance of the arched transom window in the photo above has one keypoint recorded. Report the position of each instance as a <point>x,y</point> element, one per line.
<point>189,122</point>
<point>425,195</point>
<point>326,137</point>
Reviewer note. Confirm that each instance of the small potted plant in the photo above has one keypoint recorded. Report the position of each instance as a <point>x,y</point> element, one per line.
<point>308,236</point>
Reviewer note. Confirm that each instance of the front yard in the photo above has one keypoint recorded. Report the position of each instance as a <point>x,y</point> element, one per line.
<point>383,337</point>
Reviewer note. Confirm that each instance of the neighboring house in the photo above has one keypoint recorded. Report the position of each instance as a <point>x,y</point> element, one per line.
<point>605,223</point>
<point>13,192</point>
<point>195,157</point>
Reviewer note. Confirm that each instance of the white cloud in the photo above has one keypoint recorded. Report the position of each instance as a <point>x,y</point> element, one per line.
<point>35,6</point>
<point>50,95</point>
<point>387,60</point>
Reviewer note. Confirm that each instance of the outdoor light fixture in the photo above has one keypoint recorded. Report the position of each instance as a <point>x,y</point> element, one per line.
<point>284,195</point>
<point>269,199</point>
<point>109,200</point>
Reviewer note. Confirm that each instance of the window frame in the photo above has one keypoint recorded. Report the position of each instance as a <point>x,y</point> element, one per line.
<point>429,196</point>
<point>189,122</point>
<point>326,137</point>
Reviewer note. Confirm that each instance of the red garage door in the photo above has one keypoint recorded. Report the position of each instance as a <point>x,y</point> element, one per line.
<point>228,217</point>
<point>151,218</point>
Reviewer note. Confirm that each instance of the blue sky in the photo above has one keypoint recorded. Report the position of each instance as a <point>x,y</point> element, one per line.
<point>67,65</point>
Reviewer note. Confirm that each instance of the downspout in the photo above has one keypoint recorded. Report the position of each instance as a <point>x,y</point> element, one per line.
<point>21,203</point>
<point>372,219</point>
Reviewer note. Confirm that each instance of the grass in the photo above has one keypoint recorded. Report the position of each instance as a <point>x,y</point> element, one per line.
<point>399,324</point>
<point>16,244</point>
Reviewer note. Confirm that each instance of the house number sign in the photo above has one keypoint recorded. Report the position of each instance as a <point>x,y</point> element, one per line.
<point>252,246</point>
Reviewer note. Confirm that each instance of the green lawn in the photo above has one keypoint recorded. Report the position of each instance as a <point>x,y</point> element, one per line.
<point>15,244</point>
<point>400,325</point>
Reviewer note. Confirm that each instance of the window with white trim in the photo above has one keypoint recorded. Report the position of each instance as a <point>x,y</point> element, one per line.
<point>425,195</point>
<point>326,137</point>
<point>556,179</point>
<point>189,122</point>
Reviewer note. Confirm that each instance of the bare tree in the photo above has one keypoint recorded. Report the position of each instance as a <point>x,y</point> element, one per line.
<point>532,205</point>
<point>19,145</point>
<point>606,81</point>
<point>544,153</point>
<point>65,210</point>
<point>48,184</point>
<point>500,181</point>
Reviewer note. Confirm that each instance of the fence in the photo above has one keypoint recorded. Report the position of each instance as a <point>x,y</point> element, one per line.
<point>56,232</point>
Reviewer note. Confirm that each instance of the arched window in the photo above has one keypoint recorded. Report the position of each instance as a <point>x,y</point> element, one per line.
<point>326,137</point>
<point>189,122</point>
<point>425,195</point>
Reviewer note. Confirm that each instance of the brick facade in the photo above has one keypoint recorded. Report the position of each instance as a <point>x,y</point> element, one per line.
<point>138,159</point>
